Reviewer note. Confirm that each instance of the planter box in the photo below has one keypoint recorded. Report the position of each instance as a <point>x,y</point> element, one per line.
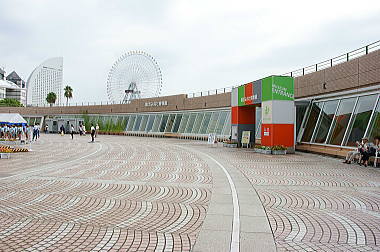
<point>5,155</point>
<point>278,152</point>
<point>232,145</point>
<point>258,150</point>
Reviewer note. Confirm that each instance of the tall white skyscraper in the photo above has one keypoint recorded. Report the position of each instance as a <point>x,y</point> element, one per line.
<point>44,79</point>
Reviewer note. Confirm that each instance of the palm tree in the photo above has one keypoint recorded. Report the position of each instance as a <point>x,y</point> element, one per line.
<point>51,98</point>
<point>68,93</point>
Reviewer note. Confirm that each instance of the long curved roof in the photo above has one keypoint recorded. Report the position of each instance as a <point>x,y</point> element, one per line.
<point>8,84</point>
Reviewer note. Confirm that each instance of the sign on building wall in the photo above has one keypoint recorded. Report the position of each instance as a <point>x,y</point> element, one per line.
<point>249,94</point>
<point>277,88</point>
<point>156,104</point>
<point>266,112</point>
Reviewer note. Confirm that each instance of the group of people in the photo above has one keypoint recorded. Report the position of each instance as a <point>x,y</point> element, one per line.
<point>11,132</point>
<point>82,131</point>
<point>364,151</point>
<point>19,132</point>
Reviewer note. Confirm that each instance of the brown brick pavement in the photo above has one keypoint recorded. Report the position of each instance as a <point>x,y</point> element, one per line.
<point>313,203</point>
<point>146,194</point>
<point>119,193</point>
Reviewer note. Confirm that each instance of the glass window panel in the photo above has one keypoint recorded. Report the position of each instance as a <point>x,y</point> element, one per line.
<point>213,122</point>
<point>163,122</point>
<point>150,123</point>
<point>177,123</point>
<point>312,120</point>
<point>325,121</point>
<point>190,123</point>
<point>222,120</point>
<point>156,123</point>
<point>227,127</point>
<point>300,113</point>
<point>197,123</point>
<point>205,123</point>
<point>137,123</point>
<point>374,127</point>
<point>361,118</point>
<point>184,120</point>
<point>144,121</point>
<point>131,122</point>
<point>341,120</point>
<point>170,123</point>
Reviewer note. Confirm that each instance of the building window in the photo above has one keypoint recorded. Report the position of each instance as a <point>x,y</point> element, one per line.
<point>361,118</point>
<point>325,121</point>
<point>374,126</point>
<point>312,120</point>
<point>342,120</point>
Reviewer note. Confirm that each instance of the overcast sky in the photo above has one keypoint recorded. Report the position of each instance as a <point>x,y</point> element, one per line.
<point>199,44</point>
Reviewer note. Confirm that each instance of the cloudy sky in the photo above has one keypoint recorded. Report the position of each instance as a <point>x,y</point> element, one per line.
<point>199,44</point>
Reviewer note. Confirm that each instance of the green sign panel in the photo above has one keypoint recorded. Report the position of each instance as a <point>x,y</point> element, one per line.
<point>278,88</point>
<point>241,94</point>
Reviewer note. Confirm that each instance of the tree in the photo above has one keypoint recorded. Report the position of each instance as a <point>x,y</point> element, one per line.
<point>68,93</point>
<point>51,98</point>
<point>9,102</point>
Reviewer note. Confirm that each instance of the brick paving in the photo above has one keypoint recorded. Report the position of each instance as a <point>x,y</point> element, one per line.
<point>313,203</point>
<point>119,193</point>
<point>146,194</point>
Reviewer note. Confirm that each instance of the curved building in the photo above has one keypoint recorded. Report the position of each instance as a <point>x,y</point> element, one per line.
<point>44,79</point>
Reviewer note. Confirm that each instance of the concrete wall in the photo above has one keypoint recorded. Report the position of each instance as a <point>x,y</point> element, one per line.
<point>174,102</point>
<point>357,73</point>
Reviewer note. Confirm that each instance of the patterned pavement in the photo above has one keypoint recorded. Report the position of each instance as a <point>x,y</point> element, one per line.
<point>118,193</point>
<point>147,194</point>
<point>314,203</point>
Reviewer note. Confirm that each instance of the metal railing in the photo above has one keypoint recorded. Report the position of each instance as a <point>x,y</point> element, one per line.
<point>299,72</point>
<point>336,61</point>
<point>210,92</point>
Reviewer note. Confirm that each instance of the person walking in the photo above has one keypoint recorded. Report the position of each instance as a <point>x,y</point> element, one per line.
<point>72,132</point>
<point>92,133</point>
<point>96,130</point>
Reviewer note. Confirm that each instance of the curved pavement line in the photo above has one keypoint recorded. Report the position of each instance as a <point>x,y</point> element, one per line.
<point>56,165</point>
<point>235,236</point>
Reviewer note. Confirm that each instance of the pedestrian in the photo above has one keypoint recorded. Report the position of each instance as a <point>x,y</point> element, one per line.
<point>72,132</point>
<point>92,133</point>
<point>62,130</point>
<point>46,129</point>
<point>96,130</point>
<point>35,132</point>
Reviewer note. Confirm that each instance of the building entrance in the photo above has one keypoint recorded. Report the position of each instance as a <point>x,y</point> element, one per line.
<point>275,95</point>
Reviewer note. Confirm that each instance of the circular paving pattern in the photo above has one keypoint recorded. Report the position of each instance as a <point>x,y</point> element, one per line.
<point>119,193</point>
<point>314,203</point>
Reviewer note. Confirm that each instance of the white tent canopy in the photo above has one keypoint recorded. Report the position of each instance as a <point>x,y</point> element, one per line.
<point>12,118</point>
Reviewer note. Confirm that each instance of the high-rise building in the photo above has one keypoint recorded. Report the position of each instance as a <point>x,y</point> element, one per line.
<point>44,79</point>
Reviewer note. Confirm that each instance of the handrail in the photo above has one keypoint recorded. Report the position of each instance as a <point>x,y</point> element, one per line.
<point>296,73</point>
<point>336,60</point>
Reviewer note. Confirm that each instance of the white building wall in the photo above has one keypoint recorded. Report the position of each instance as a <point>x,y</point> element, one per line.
<point>46,78</point>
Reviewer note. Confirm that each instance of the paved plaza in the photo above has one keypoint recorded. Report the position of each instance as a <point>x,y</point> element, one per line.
<point>156,194</point>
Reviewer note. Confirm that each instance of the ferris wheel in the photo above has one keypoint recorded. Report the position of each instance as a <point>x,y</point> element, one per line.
<point>134,75</point>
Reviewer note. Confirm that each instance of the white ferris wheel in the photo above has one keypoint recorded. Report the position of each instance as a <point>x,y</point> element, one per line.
<point>134,75</point>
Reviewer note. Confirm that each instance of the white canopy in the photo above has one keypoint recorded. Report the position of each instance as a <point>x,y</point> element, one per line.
<point>11,118</point>
<point>8,84</point>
